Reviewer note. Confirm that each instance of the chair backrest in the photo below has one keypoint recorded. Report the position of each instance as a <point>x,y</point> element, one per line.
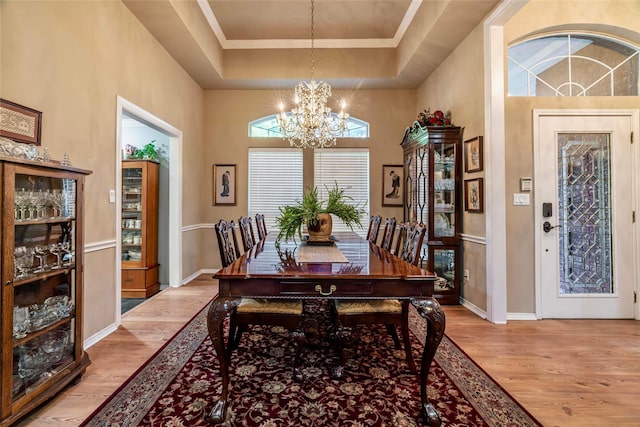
<point>227,242</point>
<point>261,226</point>
<point>402,236</point>
<point>246,233</point>
<point>374,228</point>
<point>387,235</point>
<point>410,251</point>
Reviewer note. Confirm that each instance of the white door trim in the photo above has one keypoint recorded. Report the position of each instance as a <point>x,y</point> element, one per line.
<point>634,115</point>
<point>495,172</point>
<point>175,194</point>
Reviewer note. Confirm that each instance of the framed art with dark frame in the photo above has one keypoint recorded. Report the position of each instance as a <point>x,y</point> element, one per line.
<point>473,155</point>
<point>224,185</point>
<point>20,123</point>
<point>473,195</point>
<point>392,180</point>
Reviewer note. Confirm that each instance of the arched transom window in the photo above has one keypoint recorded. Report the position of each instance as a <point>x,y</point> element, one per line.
<point>267,127</point>
<point>573,65</point>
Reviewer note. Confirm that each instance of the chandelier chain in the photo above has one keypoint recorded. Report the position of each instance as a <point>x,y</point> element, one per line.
<point>312,36</point>
<point>310,123</point>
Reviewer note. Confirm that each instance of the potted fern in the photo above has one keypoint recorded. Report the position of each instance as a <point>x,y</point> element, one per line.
<point>316,214</point>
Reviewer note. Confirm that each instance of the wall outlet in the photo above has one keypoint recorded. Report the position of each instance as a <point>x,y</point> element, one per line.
<point>466,274</point>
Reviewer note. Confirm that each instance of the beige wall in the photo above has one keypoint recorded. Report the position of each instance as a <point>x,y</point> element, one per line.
<point>458,86</point>
<point>227,114</point>
<point>71,60</point>
<point>613,17</point>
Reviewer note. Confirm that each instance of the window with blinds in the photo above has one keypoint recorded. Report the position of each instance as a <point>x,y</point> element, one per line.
<point>275,179</point>
<point>349,167</point>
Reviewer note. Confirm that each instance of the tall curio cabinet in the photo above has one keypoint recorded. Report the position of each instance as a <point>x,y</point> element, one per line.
<point>433,196</point>
<point>42,283</point>
<point>140,269</point>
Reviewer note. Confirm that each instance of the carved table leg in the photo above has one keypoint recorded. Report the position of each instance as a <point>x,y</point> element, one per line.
<point>218,311</point>
<point>430,310</point>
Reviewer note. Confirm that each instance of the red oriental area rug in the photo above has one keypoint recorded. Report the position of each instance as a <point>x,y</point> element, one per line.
<point>179,384</point>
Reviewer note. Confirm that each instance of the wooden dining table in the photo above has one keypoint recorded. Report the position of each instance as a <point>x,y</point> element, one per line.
<point>350,268</point>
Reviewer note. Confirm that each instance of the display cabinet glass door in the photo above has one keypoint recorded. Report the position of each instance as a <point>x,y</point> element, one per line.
<point>132,208</point>
<point>444,190</point>
<point>444,262</point>
<point>43,278</point>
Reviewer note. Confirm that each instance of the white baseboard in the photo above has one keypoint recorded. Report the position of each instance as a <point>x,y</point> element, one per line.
<point>197,273</point>
<point>99,335</point>
<point>473,308</point>
<point>521,316</point>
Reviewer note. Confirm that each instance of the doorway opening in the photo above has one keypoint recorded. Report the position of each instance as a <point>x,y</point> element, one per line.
<point>138,127</point>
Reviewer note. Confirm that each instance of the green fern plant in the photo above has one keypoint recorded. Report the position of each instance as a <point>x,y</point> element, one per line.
<point>306,210</point>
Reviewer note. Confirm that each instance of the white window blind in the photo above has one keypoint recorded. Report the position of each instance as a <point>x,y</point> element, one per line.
<point>275,179</point>
<point>349,167</point>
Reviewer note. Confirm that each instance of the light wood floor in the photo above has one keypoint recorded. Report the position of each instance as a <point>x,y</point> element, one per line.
<point>565,372</point>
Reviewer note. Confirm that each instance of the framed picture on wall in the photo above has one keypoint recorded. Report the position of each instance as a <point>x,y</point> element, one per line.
<point>473,195</point>
<point>392,182</point>
<point>224,184</point>
<point>473,155</point>
<point>20,123</point>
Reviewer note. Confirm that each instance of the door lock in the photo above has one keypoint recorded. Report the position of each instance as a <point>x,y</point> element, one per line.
<point>547,227</point>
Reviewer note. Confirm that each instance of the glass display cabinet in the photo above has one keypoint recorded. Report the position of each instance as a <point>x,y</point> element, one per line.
<point>433,196</point>
<point>140,275</point>
<point>42,258</point>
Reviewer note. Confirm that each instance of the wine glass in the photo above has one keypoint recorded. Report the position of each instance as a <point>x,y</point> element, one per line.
<point>56,249</point>
<point>21,202</point>
<point>20,322</point>
<point>19,253</point>
<point>56,198</point>
<point>32,204</point>
<point>41,203</point>
<point>41,254</point>
<point>66,249</point>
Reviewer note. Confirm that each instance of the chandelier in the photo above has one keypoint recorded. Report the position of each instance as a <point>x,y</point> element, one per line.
<point>310,123</point>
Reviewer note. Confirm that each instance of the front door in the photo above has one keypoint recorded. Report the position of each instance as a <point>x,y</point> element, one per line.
<point>584,195</point>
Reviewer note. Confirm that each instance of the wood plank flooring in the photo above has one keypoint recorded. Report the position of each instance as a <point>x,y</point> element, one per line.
<point>565,372</point>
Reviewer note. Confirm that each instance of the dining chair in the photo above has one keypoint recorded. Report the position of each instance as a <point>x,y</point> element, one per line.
<point>227,242</point>
<point>374,228</point>
<point>401,239</point>
<point>389,312</point>
<point>388,233</point>
<point>246,233</point>
<point>261,226</point>
<point>254,311</point>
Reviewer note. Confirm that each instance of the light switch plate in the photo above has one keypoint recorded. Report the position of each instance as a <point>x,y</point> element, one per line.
<point>112,196</point>
<point>521,199</point>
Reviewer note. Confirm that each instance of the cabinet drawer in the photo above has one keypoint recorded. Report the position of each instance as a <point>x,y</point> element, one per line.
<point>139,278</point>
<point>133,279</point>
<point>332,288</point>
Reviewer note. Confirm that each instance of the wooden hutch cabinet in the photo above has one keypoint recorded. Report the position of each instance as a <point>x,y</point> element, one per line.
<point>140,275</point>
<point>433,196</point>
<point>42,283</point>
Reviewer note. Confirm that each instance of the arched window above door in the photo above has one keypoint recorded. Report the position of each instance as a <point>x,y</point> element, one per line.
<point>573,64</point>
<point>267,127</point>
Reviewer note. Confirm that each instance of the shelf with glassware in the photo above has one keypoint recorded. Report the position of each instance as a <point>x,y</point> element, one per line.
<point>139,246</point>
<point>432,157</point>
<point>42,274</point>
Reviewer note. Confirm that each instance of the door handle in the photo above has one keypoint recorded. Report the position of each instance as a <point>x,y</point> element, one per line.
<point>547,227</point>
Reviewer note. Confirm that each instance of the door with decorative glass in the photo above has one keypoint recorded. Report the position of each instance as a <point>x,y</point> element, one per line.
<point>584,208</point>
